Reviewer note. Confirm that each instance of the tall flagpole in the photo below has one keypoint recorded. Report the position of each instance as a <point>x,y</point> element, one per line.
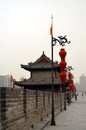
<point>61,40</point>
<point>53,114</point>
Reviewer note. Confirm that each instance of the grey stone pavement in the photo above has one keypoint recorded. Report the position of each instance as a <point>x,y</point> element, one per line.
<point>74,118</point>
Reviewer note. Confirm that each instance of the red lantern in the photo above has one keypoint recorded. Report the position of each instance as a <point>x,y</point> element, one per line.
<point>70,81</point>
<point>73,89</point>
<point>62,53</point>
<point>71,86</point>
<point>69,75</point>
<point>62,65</point>
<point>62,76</point>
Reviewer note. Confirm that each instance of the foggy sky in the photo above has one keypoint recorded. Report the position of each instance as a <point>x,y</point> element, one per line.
<point>24,33</point>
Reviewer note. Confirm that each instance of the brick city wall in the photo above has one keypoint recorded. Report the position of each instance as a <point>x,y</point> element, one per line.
<point>23,109</point>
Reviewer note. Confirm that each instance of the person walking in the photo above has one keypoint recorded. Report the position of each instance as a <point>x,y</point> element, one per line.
<point>75,96</point>
<point>82,95</point>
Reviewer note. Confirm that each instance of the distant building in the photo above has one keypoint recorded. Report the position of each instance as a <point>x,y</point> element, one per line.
<point>77,86</point>
<point>5,81</point>
<point>83,82</point>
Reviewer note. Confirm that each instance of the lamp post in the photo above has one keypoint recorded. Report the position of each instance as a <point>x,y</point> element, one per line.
<point>62,40</point>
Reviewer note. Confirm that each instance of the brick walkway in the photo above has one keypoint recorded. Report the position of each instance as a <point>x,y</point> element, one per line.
<point>74,118</point>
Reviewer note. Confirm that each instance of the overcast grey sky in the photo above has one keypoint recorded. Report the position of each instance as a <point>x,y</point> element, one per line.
<point>25,33</point>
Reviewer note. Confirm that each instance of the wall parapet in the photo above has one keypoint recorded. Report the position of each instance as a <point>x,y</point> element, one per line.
<point>23,109</point>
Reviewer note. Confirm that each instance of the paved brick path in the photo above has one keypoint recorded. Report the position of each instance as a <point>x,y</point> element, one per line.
<point>74,118</point>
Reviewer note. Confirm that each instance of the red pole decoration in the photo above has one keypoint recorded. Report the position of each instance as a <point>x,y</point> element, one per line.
<point>51,28</point>
<point>63,76</point>
<point>70,81</point>
<point>72,88</point>
<point>70,75</point>
<point>62,65</point>
<point>71,84</point>
<point>62,54</point>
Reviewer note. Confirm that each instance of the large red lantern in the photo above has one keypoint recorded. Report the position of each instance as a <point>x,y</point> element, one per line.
<point>62,76</point>
<point>62,53</point>
<point>62,65</point>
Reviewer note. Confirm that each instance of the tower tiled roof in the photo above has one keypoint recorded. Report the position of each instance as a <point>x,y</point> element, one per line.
<point>43,62</point>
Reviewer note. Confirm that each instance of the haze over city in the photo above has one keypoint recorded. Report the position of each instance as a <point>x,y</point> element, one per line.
<point>25,33</point>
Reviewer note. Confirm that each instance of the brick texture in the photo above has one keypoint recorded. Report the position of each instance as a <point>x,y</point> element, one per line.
<point>23,109</point>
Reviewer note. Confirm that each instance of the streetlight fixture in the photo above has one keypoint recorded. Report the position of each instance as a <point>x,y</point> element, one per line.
<point>61,40</point>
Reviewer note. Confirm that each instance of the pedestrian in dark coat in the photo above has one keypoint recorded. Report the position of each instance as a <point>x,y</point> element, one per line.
<point>76,97</point>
